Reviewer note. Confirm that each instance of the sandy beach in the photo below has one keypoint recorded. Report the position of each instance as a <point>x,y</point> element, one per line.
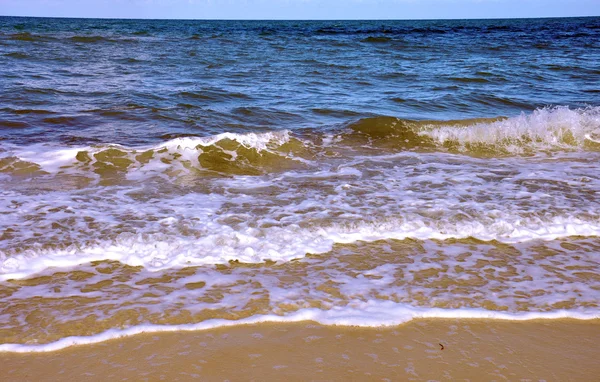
<point>556,350</point>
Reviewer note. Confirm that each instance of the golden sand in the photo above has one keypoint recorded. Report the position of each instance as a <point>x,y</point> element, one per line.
<point>433,349</point>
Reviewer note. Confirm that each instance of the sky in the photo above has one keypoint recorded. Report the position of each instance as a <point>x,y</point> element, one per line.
<point>300,9</point>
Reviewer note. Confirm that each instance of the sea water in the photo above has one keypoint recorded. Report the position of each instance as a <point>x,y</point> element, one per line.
<point>181,175</point>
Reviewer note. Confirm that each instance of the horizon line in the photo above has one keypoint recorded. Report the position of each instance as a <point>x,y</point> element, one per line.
<point>285,19</point>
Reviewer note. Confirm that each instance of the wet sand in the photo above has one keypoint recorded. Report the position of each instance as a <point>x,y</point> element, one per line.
<point>551,350</point>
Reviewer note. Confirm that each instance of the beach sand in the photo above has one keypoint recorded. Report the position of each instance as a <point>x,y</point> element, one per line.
<point>556,350</point>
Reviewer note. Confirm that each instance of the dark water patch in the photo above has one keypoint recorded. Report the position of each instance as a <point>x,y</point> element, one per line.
<point>428,31</point>
<point>265,31</point>
<point>89,39</point>
<point>13,124</point>
<point>445,88</point>
<point>558,68</point>
<point>492,100</point>
<point>137,106</point>
<point>395,75</point>
<point>469,80</point>
<point>262,116</point>
<point>542,45</point>
<point>18,55</point>
<point>214,95</point>
<point>493,28</point>
<point>26,36</point>
<point>26,111</point>
<point>313,73</point>
<point>335,112</point>
<point>308,61</point>
<point>374,39</point>
<point>129,60</point>
<point>215,65</point>
<point>335,65</point>
<point>45,91</point>
<point>64,120</point>
<point>95,39</point>
<point>78,140</point>
<point>395,30</point>
<point>495,48</point>
<point>591,71</point>
<point>330,30</point>
<point>110,113</point>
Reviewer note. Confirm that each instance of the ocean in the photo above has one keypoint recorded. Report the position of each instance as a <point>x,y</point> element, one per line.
<point>162,175</point>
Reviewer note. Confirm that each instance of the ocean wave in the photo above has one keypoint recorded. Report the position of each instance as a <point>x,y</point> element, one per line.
<point>90,39</point>
<point>26,36</point>
<point>548,129</point>
<point>249,154</point>
<point>545,129</point>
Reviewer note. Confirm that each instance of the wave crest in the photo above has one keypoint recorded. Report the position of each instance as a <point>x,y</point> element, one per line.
<point>241,154</point>
<point>548,129</point>
<point>544,129</point>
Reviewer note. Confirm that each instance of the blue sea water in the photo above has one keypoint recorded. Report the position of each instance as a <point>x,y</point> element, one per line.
<point>134,81</point>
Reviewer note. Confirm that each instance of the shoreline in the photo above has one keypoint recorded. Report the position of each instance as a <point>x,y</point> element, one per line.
<point>422,349</point>
<point>368,316</point>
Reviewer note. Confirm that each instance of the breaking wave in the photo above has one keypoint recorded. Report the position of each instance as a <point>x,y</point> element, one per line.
<point>546,130</point>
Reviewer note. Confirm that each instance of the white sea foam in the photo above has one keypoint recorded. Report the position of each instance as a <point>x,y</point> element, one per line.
<point>548,128</point>
<point>53,159</point>
<point>157,252</point>
<point>358,313</point>
<point>535,279</point>
<point>259,141</point>
<point>284,216</point>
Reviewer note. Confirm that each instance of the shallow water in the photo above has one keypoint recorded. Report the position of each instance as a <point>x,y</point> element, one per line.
<point>195,173</point>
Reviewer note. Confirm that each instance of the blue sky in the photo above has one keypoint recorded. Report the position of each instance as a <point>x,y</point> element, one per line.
<point>300,9</point>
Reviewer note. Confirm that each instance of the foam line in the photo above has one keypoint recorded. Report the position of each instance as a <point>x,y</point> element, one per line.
<point>276,244</point>
<point>360,314</point>
<point>52,158</point>
<point>557,127</point>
